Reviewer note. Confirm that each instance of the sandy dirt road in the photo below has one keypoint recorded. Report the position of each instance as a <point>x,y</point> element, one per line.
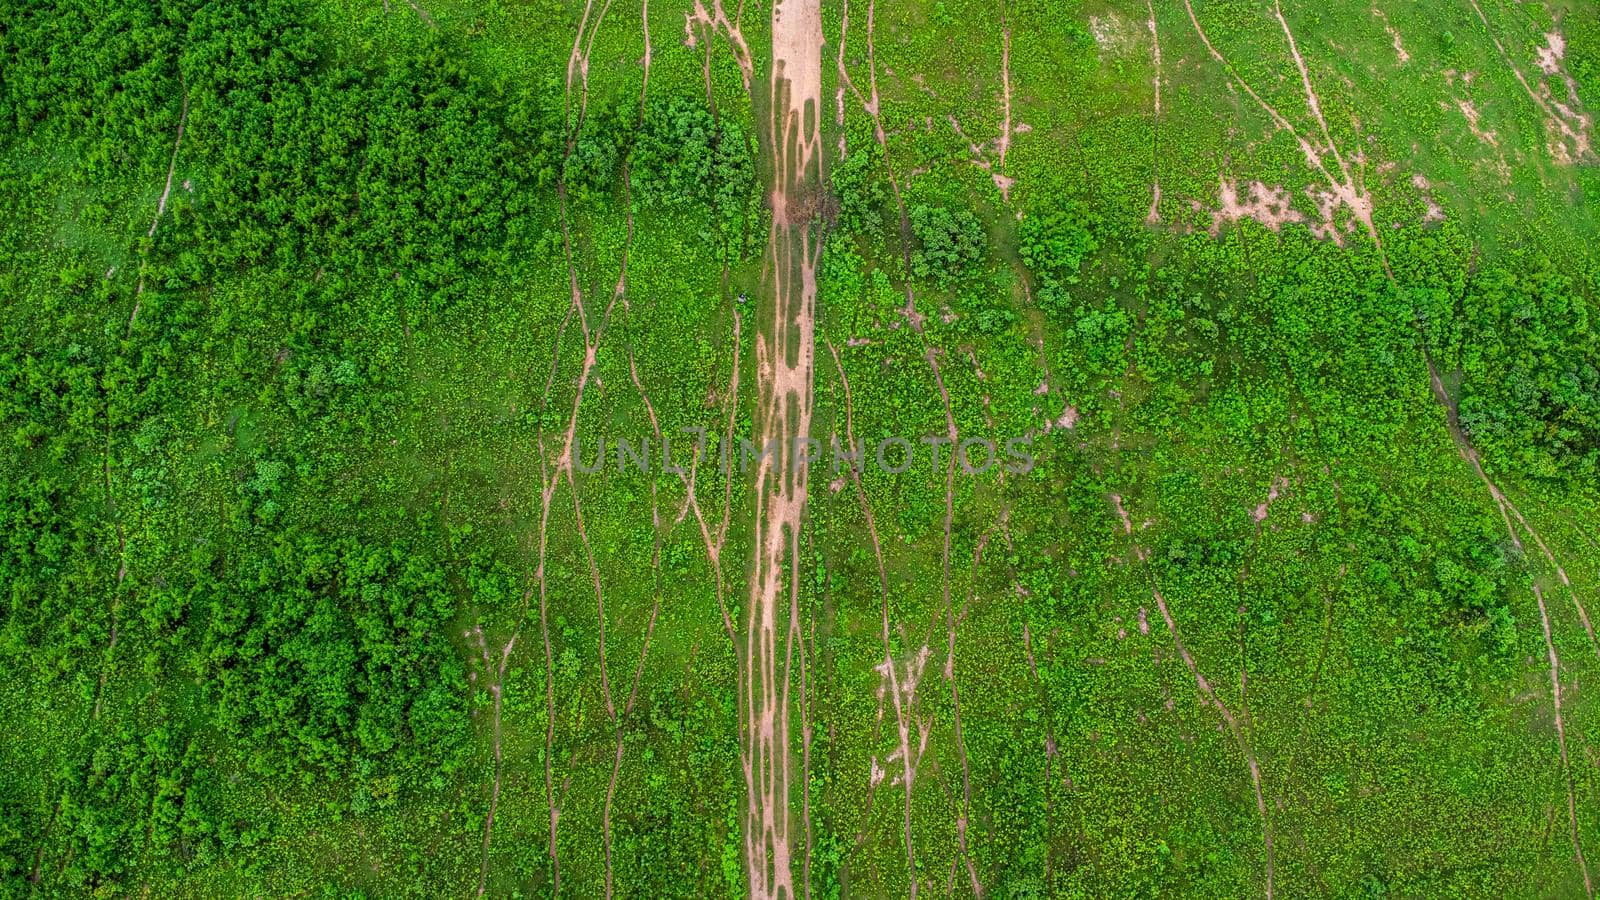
<point>785,346</point>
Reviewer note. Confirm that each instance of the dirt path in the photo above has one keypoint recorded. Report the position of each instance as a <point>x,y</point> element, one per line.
<point>1233,726</point>
<point>172,166</point>
<point>952,623</point>
<point>1155,128</point>
<point>578,68</point>
<point>552,478</point>
<point>644,25</point>
<point>617,716</point>
<point>872,104</point>
<point>421,13</point>
<point>890,685</point>
<point>161,205</point>
<point>785,348</point>
<point>498,676</point>
<point>1560,118</point>
<point>716,540</point>
<point>1470,455</point>
<point>1561,740</point>
<point>714,22</point>
<point>1004,142</point>
<point>1508,509</point>
<point>618,720</point>
<point>1313,102</point>
<point>552,473</point>
<point>1400,54</point>
<point>1343,189</point>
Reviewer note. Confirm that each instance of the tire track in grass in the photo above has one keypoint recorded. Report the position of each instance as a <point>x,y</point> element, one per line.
<point>688,480</point>
<point>1346,192</point>
<point>496,691</point>
<point>616,715</point>
<point>550,479</point>
<point>952,624</point>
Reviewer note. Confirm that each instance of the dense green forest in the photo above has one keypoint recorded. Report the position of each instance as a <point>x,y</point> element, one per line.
<point>308,303</point>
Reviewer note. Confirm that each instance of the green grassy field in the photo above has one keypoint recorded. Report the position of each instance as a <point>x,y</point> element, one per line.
<point>308,594</point>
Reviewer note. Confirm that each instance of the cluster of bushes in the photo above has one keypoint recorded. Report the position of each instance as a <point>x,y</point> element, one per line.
<point>179,410</point>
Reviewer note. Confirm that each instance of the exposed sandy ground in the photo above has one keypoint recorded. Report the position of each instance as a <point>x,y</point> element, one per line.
<point>1271,206</point>
<point>1469,111</point>
<point>1570,129</point>
<point>1435,212</point>
<point>785,347</point>
<point>1344,189</point>
<point>1400,54</point>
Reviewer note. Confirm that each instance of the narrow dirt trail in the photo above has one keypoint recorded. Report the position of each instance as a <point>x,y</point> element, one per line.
<point>618,724</point>
<point>785,349</point>
<point>1155,127</point>
<point>1233,726</point>
<point>872,104</point>
<point>1004,143</point>
<point>498,676</point>
<point>1313,102</point>
<point>952,625</point>
<point>618,720</point>
<point>552,479</point>
<point>172,166</point>
<point>1401,56</point>
<point>1559,118</point>
<point>421,13</point>
<point>715,540</point>
<point>1561,741</point>
<point>1050,751</point>
<point>714,22</point>
<point>578,68</point>
<point>1347,191</point>
<point>1507,509</point>
<point>1561,574</point>
<point>1343,189</point>
<point>890,685</point>
<point>161,205</point>
<point>552,473</point>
